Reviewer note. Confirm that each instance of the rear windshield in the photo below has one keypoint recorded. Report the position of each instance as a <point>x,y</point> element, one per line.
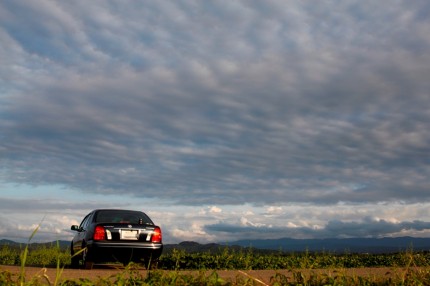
<point>122,216</point>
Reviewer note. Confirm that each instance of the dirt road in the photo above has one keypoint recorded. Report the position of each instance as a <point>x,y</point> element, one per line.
<point>261,277</point>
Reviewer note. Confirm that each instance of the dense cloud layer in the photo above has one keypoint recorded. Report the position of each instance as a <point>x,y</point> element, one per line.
<point>334,229</point>
<point>218,103</point>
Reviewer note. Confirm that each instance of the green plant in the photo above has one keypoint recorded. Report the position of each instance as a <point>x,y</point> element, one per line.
<point>24,256</point>
<point>8,256</point>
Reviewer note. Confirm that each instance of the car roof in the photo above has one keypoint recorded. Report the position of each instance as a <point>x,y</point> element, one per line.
<point>127,210</point>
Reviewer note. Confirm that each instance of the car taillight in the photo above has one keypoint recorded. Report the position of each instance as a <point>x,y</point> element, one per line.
<point>99,233</point>
<point>156,236</point>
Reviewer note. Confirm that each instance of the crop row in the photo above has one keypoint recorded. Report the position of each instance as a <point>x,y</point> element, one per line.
<point>228,258</point>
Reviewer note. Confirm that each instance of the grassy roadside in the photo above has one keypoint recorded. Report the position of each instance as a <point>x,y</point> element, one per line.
<point>134,276</point>
<point>226,258</point>
<point>408,268</point>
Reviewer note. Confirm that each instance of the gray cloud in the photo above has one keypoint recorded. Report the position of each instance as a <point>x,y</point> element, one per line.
<point>47,205</point>
<point>218,103</point>
<point>50,218</point>
<point>367,227</point>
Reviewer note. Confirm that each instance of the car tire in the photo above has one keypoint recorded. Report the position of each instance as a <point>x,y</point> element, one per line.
<point>152,266</point>
<point>125,263</point>
<point>86,263</point>
<point>74,260</point>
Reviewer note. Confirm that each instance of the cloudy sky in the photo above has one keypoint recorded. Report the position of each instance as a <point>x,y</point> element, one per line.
<point>220,119</point>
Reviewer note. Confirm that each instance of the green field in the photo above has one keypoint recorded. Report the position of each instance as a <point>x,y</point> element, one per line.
<point>228,259</point>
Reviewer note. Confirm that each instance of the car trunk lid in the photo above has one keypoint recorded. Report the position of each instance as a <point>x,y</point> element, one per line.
<point>128,232</point>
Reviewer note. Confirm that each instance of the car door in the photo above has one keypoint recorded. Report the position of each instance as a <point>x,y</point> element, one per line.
<point>80,236</point>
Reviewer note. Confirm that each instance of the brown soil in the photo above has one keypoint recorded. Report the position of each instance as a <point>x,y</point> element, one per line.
<point>261,277</point>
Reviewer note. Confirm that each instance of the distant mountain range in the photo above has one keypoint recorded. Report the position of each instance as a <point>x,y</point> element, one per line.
<point>62,243</point>
<point>333,245</point>
<point>347,245</point>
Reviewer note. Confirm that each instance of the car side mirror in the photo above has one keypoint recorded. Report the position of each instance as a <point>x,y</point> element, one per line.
<point>75,228</point>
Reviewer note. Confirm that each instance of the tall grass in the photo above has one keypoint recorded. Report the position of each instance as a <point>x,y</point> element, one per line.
<point>24,256</point>
<point>41,256</point>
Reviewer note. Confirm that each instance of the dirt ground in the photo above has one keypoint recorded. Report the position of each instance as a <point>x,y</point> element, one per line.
<point>261,277</point>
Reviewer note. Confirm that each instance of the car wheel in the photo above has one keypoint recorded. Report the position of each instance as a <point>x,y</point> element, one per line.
<point>74,259</point>
<point>153,265</point>
<point>86,264</point>
<point>150,264</point>
<point>125,263</point>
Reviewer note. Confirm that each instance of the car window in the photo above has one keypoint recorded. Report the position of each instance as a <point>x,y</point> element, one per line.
<point>122,216</point>
<point>84,222</point>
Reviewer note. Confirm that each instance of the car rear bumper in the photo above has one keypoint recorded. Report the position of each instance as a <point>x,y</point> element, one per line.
<point>123,251</point>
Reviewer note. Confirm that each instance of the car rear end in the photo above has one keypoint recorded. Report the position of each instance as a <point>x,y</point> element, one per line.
<point>124,236</point>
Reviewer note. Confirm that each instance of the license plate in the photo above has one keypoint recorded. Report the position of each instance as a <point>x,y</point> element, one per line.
<point>129,234</point>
